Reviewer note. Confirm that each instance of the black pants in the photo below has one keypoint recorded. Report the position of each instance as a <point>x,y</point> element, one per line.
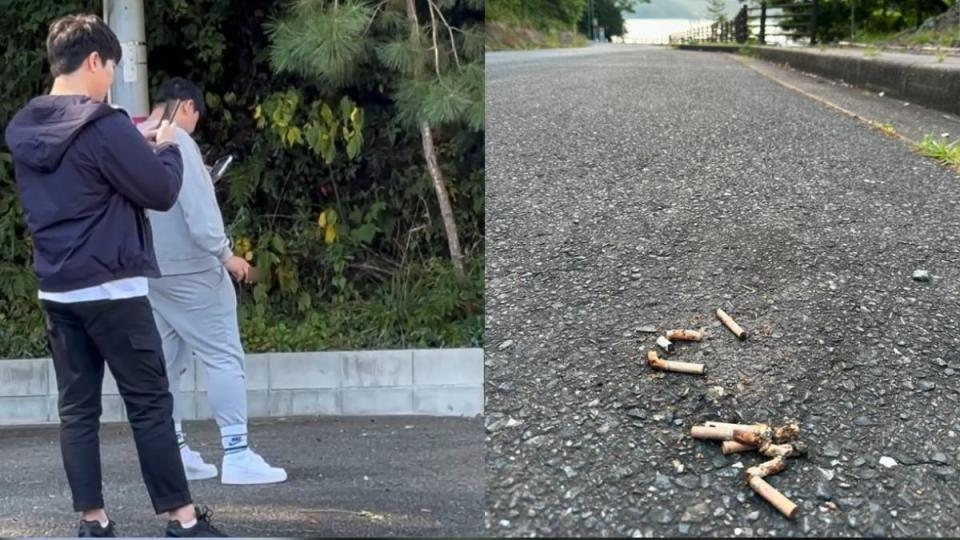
<point>121,332</point>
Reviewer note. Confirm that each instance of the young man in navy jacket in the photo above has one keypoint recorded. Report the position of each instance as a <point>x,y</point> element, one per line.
<point>86,176</point>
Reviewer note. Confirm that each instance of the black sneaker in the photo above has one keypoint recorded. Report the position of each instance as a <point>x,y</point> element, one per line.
<point>202,529</point>
<point>93,529</point>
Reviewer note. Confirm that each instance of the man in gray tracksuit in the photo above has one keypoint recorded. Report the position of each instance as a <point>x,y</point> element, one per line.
<point>194,302</point>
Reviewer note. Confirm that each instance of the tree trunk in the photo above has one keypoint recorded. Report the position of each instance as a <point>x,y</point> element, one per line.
<point>443,198</point>
<point>439,184</point>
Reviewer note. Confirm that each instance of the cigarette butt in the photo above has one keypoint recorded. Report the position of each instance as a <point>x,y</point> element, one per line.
<point>685,335</point>
<point>781,450</point>
<point>748,437</point>
<point>683,367</point>
<point>733,447</point>
<point>785,433</point>
<point>709,432</point>
<point>774,497</point>
<point>731,324</point>
<point>767,468</point>
<point>746,427</point>
<point>665,344</point>
<point>656,362</point>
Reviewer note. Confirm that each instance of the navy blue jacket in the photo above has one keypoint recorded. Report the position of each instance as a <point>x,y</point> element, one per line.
<point>85,175</point>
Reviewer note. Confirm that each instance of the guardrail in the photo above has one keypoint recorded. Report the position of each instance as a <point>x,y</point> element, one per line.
<point>792,20</point>
<point>718,32</point>
<point>796,20</point>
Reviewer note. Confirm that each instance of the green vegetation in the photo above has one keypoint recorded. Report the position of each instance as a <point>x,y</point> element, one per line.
<point>717,10</point>
<point>941,149</point>
<point>525,24</point>
<point>502,36</point>
<point>543,15</point>
<point>331,195</point>
<point>904,22</point>
<point>871,51</point>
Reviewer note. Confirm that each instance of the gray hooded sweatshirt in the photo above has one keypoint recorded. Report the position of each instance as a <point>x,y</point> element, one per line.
<point>190,237</point>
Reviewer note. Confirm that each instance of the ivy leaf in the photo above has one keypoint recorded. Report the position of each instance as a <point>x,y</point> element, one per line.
<point>364,233</point>
<point>278,244</point>
<point>330,234</point>
<point>345,106</point>
<point>326,113</point>
<point>294,136</point>
<point>353,146</point>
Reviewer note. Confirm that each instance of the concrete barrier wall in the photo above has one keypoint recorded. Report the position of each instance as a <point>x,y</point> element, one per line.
<point>441,382</point>
<point>925,83</point>
<point>931,85</point>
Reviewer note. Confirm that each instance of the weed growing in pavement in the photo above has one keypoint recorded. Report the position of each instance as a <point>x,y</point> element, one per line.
<point>871,52</point>
<point>941,56</point>
<point>941,149</point>
<point>888,128</point>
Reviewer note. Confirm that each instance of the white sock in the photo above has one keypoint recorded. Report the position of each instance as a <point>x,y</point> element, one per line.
<point>189,524</point>
<point>104,523</point>
<point>234,438</point>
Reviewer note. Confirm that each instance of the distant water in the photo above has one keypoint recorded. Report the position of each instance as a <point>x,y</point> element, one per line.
<point>659,30</point>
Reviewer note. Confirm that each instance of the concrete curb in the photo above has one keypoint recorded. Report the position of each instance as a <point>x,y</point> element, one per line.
<point>439,382</point>
<point>922,81</point>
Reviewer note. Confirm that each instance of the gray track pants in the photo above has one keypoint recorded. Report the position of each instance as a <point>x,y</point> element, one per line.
<point>198,313</point>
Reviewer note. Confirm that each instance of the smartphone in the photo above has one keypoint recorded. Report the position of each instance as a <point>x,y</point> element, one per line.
<point>170,109</point>
<point>220,168</point>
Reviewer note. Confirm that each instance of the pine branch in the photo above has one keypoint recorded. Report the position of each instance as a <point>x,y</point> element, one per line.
<point>453,41</point>
<point>433,32</point>
<point>373,17</point>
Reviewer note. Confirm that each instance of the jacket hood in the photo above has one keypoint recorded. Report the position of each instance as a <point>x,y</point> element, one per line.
<point>41,132</point>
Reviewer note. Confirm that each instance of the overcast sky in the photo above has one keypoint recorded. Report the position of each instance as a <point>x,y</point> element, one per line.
<point>678,9</point>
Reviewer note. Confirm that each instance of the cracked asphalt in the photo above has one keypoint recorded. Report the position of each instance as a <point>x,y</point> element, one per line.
<point>630,186</point>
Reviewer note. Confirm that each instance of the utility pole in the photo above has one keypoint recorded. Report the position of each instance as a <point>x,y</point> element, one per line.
<point>129,90</point>
<point>590,18</point>
<point>853,7</point>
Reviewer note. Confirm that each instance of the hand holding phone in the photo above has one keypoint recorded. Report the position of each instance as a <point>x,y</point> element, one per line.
<point>166,133</point>
<point>220,168</point>
<point>170,109</point>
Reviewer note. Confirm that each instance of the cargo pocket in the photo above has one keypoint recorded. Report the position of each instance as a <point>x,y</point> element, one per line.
<point>148,348</point>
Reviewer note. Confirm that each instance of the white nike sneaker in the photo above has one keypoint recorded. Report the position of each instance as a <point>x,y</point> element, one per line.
<point>195,467</point>
<point>247,467</point>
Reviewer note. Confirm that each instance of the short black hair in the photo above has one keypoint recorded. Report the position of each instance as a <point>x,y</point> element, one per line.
<point>182,89</point>
<point>72,38</point>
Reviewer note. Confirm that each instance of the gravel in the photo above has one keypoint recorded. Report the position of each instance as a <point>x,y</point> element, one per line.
<point>634,186</point>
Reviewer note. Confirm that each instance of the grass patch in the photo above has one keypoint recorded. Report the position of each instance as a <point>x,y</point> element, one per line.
<point>508,36</point>
<point>871,51</point>
<point>888,128</point>
<point>749,51</point>
<point>941,150</point>
<point>874,37</point>
<point>923,37</point>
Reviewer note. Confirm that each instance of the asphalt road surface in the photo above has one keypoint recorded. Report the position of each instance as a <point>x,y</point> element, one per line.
<point>348,476</point>
<point>630,186</point>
